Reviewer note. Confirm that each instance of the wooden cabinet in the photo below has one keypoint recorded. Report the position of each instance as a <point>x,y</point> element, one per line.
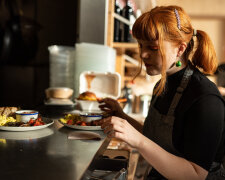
<point>121,47</point>
<point>128,60</point>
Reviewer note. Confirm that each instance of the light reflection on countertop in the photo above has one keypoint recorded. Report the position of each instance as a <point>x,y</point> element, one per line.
<point>26,135</point>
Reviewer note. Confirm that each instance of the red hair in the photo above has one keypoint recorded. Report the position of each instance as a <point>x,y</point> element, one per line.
<point>161,24</point>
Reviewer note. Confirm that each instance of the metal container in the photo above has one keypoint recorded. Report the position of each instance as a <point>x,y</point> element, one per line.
<point>141,104</point>
<point>107,169</point>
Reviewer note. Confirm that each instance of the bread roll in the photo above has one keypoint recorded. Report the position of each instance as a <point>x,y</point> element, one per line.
<point>89,96</point>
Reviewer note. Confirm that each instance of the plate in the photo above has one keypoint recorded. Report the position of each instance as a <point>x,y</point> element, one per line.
<point>86,128</point>
<point>30,128</point>
<point>57,104</point>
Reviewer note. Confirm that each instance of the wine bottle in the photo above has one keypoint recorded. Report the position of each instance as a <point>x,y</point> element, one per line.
<point>117,31</point>
<point>127,12</point>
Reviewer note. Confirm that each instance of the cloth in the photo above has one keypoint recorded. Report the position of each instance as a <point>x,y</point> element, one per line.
<point>217,173</point>
<point>84,135</point>
<point>159,127</point>
<point>196,135</point>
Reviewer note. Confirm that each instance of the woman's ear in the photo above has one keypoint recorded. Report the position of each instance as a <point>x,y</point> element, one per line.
<point>182,47</point>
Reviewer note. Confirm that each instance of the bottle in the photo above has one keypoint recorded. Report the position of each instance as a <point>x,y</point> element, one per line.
<point>127,12</point>
<point>117,30</point>
<point>128,94</point>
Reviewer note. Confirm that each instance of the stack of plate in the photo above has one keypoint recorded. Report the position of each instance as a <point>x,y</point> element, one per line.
<point>61,66</point>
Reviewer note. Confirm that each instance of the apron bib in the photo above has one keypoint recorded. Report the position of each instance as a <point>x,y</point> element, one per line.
<point>159,127</point>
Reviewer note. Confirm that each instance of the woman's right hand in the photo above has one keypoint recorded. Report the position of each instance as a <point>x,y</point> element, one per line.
<point>111,106</point>
<point>116,127</point>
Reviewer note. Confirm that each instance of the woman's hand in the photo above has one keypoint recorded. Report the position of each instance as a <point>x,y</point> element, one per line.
<point>111,106</point>
<point>121,129</point>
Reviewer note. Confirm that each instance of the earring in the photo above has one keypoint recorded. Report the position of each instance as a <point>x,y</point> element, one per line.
<point>178,63</point>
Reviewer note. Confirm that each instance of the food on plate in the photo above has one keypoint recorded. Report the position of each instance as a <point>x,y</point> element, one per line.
<point>4,120</point>
<point>8,111</point>
<point>31,122</point>
<point>7,118</point>
<point>36,122</point>
<point>87,95</point>
<point>75,119</point>
<point>7,114</point>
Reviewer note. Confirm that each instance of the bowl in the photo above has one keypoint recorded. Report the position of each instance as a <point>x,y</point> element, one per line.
<point>90,116</point>
<point>59,92</point>
<point>26,115</point>
<point>88,105</point>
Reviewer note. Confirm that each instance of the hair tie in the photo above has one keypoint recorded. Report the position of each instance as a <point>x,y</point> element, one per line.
<point>178,18</point>
<point>194,32</point>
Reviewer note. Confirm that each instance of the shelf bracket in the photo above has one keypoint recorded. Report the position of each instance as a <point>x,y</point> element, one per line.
<point>122,19</point>
<point>132,60</point>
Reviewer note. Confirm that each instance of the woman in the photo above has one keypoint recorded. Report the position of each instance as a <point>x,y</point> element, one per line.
<point>183,133</point>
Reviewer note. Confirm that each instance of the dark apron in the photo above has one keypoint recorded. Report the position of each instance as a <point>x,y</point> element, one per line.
<point>159,128</point>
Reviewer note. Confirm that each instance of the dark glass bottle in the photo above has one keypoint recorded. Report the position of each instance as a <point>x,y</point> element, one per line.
<point>128,94</point>
<point>117,30</point>
<point>127,12</point>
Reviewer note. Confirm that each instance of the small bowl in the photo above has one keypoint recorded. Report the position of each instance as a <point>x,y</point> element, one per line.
<point>88,105</point>
<point>26,115</point>
<point>90,116</point>
<point>59,92</point>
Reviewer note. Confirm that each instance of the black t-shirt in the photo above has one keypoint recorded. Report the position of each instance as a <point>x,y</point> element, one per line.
<point>198,132</point>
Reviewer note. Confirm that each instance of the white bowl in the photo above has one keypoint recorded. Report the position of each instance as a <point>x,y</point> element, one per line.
<point>90,116</point>
<point>26,115</point>
<point>88,105</point>
<point>59,92</point>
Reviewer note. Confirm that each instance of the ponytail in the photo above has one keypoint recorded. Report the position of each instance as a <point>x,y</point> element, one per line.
<point>205,55</point>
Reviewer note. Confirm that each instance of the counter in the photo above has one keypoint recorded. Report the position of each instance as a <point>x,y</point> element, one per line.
<point>47,154</point>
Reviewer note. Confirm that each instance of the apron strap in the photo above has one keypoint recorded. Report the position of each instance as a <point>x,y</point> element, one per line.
<point>184,82</point>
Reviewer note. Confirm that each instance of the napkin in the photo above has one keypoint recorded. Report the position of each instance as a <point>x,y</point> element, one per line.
<point>84,135</point>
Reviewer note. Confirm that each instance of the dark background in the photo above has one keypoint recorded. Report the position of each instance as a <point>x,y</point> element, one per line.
<point>22,83</point>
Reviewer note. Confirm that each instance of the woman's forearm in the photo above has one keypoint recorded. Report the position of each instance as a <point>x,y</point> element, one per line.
<point>169,165</point>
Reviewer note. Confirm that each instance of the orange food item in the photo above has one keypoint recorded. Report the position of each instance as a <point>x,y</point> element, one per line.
<point>70,122</point>
<point>83,124</point>
<point>78,122</point>
<point>36,122</point>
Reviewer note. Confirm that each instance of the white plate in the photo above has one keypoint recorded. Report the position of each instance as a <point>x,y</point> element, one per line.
<point>29,128</point>
<point>86,128</point>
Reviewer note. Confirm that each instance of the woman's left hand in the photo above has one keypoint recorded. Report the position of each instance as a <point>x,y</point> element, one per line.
<point>119,128</point>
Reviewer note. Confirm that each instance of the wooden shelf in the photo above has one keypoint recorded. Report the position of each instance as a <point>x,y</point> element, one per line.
<point>125,45</point>
<point>120,47</point>
<point>130,65</point>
